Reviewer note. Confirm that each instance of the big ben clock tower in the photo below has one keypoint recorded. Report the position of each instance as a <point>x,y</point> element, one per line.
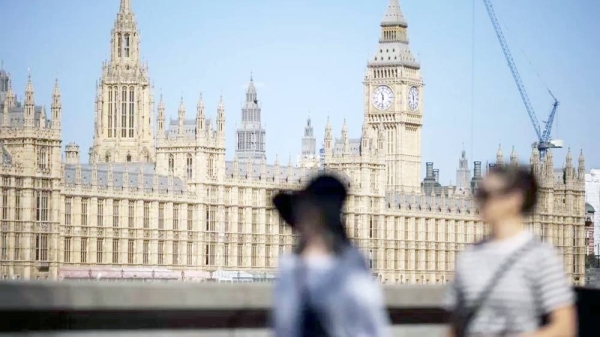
<point>393,101</point>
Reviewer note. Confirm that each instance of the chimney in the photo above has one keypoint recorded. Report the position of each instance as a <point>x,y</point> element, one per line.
<point>72,154</point>
<point>436,175</point>
<point>429,171</point>
<point>477,169</point>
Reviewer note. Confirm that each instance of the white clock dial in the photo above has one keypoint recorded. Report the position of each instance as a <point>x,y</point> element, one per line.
<point>383,97</point>
<point>413,98</point>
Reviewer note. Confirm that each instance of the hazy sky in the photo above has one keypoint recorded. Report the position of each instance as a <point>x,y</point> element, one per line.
<point>309,57</point>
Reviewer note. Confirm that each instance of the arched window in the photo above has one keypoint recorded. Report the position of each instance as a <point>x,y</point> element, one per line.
<point>128,158</point>
<point>124,112</point>
<point>119,45</point>
<point>126,45</point>
<point>110,112</point>
<point>131,110</point>
<point>171,163</point>
<point>43,158</point>
<point>107,157</point>
<point>188,167</point>
<point>211,166</point>
<point>115,90</point>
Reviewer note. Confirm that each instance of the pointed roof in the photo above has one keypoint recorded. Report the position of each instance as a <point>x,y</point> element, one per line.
<point>29,87</point>
<point>181,105</point>
<point>513,153</point>
<point>221,106</point>
<point>200,105</point>
<point>56,90</point>
<point>125,6</point>
<point>394,16</point>
<point>251,87</point>
<point>3,73</point>
<point>161,104</point>
<point>394,49</point>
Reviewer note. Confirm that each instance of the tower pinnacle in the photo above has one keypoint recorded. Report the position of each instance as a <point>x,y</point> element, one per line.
<point>251,134</point>
<point>394,16</point>
<point>125,6</point>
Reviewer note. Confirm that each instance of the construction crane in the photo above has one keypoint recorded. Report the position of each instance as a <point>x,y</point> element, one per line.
<point>544,142</point>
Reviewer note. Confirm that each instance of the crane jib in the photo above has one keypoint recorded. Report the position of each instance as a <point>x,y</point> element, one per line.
<point>543,137</point>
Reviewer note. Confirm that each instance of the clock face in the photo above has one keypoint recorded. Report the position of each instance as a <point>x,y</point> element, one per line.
<point>413,98</point>
<point>383,97</point>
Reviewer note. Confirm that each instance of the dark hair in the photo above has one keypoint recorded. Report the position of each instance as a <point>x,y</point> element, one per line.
<point>522,180</point>
<point>332,226</point>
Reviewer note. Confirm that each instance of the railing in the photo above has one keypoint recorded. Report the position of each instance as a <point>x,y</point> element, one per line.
<point>206,309</point>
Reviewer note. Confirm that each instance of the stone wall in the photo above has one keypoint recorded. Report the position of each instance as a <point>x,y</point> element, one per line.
<point>126,309</point>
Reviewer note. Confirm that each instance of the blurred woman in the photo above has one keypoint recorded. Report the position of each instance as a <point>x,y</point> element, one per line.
<point>505,284</point>
<point>325,287</point>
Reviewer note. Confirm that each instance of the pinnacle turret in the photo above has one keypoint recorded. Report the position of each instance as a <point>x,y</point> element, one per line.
<point>251,92</point>
<point>181,117</point>
<point>200,118</point>
<point>513,156</point>
<point>581,167</point>
<point>181,110</point>
<point>221,118</point>
<point>161,107</point>
<point>29,102</point>
<point>125,6</point>
<point>56,107</point>
<point>499,156</point>
<point>29,89</point>
<point>161,117</point>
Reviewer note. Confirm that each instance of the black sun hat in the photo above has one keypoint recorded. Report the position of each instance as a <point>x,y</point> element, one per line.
<point>326,190</point>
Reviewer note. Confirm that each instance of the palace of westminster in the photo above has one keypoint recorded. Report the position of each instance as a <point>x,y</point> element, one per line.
<point>158,199</point>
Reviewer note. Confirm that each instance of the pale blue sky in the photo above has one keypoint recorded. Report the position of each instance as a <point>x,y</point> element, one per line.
<point>310,56</point>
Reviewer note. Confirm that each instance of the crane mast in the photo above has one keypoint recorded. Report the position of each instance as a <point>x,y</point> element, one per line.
<point>544,142</point>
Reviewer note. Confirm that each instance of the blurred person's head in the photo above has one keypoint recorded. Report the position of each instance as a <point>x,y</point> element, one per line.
<point>316,212</point>
<point>506,193</point>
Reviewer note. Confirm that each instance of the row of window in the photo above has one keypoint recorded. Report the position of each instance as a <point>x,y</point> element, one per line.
<point>396,259</point>
<point>41,211</point>
<point>130,214</point>
<point>211,168</point>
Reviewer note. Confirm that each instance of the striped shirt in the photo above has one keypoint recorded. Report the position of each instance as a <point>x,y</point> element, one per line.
<point>535,285</point>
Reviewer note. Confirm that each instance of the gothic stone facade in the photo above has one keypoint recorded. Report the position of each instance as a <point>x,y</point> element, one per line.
<point>165,198</point>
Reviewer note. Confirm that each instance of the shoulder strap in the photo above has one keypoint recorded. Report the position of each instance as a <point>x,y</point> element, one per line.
<point>497,276</point>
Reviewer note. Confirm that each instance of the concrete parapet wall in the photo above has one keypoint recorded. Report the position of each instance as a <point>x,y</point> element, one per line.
<point>121,309</point>
<point>178,309</point>
<point>103,296</point>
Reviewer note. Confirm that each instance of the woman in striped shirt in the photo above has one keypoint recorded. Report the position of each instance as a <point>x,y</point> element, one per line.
<point>505,284</point>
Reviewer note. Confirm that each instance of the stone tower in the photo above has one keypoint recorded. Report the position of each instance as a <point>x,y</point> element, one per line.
<point>393,88</point>
<point>308,157</point>
<point>463,173</point>
<point>123,130</point>
<point>251,135</point>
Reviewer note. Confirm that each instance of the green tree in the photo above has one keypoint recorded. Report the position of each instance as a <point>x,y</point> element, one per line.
<point>592,261</point>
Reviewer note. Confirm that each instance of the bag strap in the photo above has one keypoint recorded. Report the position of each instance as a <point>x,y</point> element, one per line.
<point>497,276</point>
